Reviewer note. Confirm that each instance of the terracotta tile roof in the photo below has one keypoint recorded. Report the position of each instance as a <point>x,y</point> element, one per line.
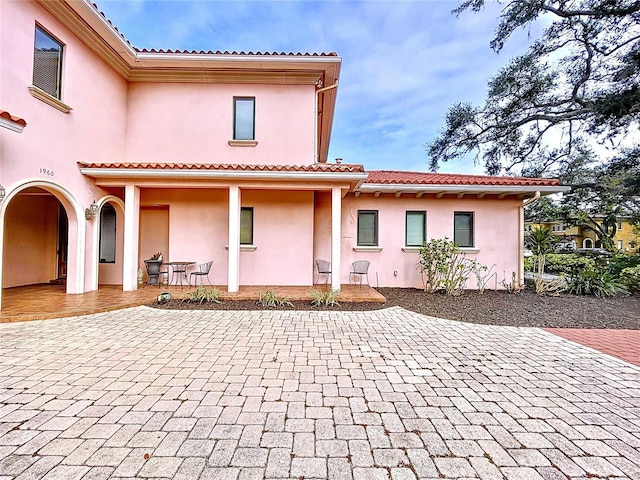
<point>318,167</point>
<point>6,115</point>
<point>427,178</point>
<point>211,52</point>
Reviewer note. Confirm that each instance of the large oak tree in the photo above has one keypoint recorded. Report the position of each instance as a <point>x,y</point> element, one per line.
<point>577,84</point>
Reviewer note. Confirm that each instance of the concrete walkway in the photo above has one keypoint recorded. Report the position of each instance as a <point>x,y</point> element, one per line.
<point>390,394</point>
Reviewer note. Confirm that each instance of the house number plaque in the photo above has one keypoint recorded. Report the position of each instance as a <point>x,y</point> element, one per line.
<point>46,171</point>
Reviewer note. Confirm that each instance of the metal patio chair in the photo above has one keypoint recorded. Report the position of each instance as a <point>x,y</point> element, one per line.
<point>154,274</point>
<point>324,268</point>
<point>203,272</point>
<point>359,269</point>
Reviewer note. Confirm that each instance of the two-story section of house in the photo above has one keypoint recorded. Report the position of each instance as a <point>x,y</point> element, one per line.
<point>110,154</point>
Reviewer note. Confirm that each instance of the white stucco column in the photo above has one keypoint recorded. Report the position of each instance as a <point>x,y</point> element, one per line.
<point>233,280</point>
<point>131,234</point>
<point>336,236</point>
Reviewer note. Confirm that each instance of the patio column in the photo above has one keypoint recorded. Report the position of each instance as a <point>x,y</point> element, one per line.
<point>131,233</point>
<point>336,222</point>
<point>233,280</point>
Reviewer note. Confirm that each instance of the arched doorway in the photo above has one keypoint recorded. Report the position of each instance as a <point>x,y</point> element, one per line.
<point>587,243</point>
<point>42,238</point>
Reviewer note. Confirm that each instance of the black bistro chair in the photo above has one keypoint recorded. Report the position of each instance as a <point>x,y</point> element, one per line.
<point>203,272</point>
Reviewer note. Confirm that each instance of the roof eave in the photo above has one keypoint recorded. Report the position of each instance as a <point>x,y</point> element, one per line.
<point>456,189</point>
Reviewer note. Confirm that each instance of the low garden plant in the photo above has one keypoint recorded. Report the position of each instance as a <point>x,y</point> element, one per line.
<point>203,295</point>
<point>328,298</point>
<point>271,299</point>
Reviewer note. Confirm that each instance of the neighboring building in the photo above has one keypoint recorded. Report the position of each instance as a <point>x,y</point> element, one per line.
<point>626,239</point>
<point>109,154</point>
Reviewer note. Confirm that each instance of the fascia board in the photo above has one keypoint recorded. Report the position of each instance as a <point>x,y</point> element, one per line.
<point>496,189</point>
<point>221,175</point>
<point>11,125</point>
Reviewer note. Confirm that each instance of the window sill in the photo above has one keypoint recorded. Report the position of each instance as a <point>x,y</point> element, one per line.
<point>49,99</point>
<point>242,143</point>
<point>367,249</point>
<point>469,249</point>
<point>245,248</point>
<point>411,249</point>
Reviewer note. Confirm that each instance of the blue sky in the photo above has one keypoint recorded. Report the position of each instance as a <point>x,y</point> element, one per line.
<point>404,62</point>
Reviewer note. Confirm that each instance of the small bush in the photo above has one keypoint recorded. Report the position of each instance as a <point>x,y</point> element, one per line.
<point>271,299</point>
<point>327,298</point>
<point>530,264</point>
<point>567,262</point>
<point>203,295</point>
<point>622,261</point>
<point>443,265</point>
<point>593,281</point>
<point>630,277</point>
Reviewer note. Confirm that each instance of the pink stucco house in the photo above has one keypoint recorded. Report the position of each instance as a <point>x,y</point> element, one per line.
<point>206,156</point>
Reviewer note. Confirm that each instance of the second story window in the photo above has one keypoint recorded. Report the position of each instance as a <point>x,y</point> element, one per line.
<point>47,63</point>
<point>367,228</point>
<point>463,229</point>
<point>244,109</point>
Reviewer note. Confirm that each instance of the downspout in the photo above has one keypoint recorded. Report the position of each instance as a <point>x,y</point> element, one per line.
<point>528,201</point>
<point>315,131</point>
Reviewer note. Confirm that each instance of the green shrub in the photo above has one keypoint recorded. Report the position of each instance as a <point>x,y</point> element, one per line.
<point>630,277</point>
<point>328,298</point>
<point>203,295</point>
<point>622,261</point>
<point>595,281</point>
<point>529,264</point>
<point>271,299</point>
<point>567,263</point>
<point>443,266</point>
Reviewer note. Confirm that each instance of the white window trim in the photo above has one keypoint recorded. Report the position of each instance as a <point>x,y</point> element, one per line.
<point>411,249</point>
<point>245,248</point>
<point>49,99</point>
<point>469,249</point>
<point>368,248</point>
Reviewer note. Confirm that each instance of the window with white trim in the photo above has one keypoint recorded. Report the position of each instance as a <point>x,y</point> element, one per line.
<point>415,228</point>
<point>463,229</point>
<point>367,228</point>
<point>47,63</point>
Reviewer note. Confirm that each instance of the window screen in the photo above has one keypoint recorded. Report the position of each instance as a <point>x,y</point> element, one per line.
<point>415,229</point>
<point>368,228</point>
<point>246,226</point>
<point>47,63</point>
<point>463,229</point>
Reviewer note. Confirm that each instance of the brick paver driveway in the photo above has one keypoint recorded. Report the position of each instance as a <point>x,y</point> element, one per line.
<point>368,395</point>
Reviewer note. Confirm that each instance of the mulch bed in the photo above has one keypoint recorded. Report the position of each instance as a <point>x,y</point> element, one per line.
<point>525,309</point>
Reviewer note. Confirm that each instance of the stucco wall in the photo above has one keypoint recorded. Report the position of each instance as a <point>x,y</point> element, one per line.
<point>30,241</point>
<point>495,233</point>
<point>192,123</point>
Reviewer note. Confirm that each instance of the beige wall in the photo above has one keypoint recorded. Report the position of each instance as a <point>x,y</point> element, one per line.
<point>30,238</point>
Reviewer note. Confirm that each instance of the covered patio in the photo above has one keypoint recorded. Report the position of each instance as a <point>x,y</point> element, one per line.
<point>40,302</point>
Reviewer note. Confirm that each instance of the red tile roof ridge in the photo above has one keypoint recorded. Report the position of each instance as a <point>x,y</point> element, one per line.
<point>8,116</point>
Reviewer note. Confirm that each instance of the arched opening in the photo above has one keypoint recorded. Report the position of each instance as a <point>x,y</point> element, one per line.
<point>587,243</point>
<point>42,240</point>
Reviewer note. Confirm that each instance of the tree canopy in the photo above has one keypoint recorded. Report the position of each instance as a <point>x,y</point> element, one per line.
<point>576,86</point>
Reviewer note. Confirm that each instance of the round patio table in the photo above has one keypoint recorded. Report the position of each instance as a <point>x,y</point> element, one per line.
<point>179,268</point>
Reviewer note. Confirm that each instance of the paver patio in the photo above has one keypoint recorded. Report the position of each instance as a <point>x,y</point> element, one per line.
<point>388,394</point>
